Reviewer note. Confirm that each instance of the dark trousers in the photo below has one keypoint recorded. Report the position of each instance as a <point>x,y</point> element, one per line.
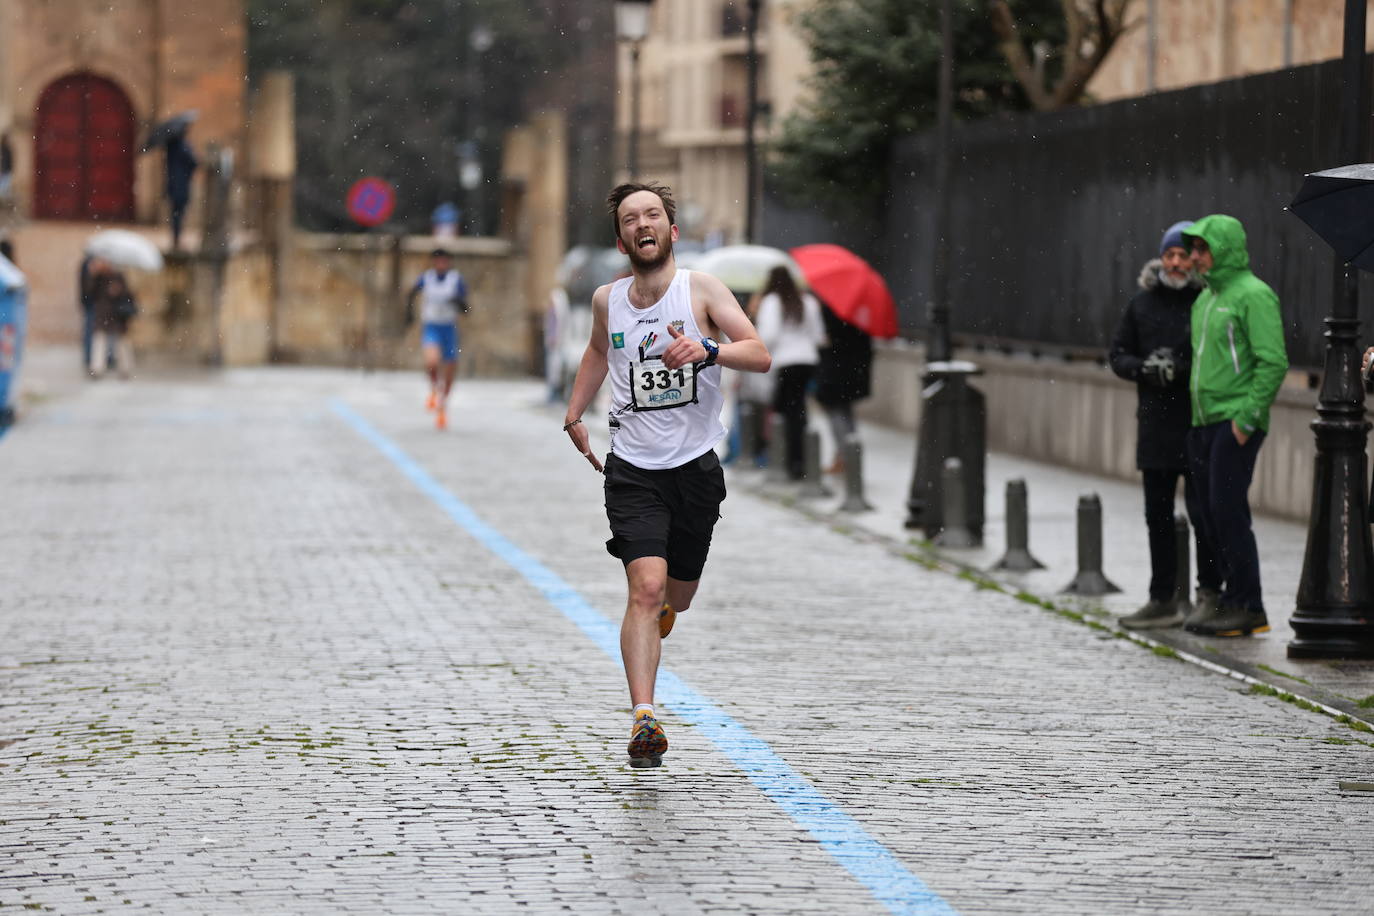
<point>789,399</point>
<point>1161,486</point>
<point>1222,469</point>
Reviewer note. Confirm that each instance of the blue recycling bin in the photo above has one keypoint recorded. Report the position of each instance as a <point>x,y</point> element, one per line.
<point>13,325</point>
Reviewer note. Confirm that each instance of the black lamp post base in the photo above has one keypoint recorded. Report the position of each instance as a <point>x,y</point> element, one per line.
<point>1331,639</point>
<point>953,425</point>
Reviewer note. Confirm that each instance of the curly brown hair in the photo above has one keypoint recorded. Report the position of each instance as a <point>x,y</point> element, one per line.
<point>622,191</point>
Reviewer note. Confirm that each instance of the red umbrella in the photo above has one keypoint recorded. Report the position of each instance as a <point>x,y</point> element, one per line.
<point>849,286</point>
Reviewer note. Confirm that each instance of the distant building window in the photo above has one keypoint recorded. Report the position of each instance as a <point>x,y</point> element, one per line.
<point>731,110</point>
<point>734,18</point>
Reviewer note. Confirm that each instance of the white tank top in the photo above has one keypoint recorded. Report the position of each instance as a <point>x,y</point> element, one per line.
<point>436,297</point>
<point>659,418</point>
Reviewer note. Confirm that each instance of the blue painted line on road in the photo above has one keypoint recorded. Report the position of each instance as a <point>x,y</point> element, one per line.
<point>839,834</point>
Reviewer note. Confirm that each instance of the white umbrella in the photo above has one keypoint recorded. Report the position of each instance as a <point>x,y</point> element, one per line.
<point>123,248</point>
<point>744,268</point>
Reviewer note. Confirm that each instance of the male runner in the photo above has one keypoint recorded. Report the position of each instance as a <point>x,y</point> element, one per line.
<point>655,333</point>
<point>443,293</point>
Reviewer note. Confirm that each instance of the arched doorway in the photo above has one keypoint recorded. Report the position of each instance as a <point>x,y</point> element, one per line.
<point>84,151</point>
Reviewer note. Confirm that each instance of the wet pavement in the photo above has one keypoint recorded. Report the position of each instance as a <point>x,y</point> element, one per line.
<point>270,643</point>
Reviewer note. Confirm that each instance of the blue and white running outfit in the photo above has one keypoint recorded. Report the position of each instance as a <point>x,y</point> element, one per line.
<point>439,298</point>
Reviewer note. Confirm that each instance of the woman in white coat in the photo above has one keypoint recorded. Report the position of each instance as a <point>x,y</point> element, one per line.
<point>789,323</point>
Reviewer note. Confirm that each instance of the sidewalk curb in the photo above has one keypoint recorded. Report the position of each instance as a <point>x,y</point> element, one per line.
<point>1179,645</point>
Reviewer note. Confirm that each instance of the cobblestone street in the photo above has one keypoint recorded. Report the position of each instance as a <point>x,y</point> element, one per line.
<point>270,643</point>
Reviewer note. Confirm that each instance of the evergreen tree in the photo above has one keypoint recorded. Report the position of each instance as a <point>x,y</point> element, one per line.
<point>876,72</point>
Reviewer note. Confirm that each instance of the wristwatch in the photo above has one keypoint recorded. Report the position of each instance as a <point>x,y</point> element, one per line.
<point>712,352</point>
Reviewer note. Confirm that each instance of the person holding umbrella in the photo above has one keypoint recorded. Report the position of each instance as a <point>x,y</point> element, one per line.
<point>181,165</point>
<point>1239,361</point>
<point>858,307</point>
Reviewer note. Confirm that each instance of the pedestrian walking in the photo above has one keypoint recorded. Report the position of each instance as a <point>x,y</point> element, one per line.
<point>181,165</point>
<point>655,333</point>
<point>843,376</point>
<point>790,326</point>
<point>113,309</point>
<point>1152,348</point>
<point>443,294</point>
<point>1239,361</point>
<point>90,272</point>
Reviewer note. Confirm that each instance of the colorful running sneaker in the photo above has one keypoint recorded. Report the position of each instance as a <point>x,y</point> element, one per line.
<point>648,744</point>
<point>432,402</point>
<point>441,419</point>
<point>666,618</point>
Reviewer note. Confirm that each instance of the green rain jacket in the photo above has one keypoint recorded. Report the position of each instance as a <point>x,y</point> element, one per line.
<point>1239,359</point>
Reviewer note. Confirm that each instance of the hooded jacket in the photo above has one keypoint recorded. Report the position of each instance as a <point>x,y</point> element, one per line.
<point>1157,317</point>
<point>1239,359</point>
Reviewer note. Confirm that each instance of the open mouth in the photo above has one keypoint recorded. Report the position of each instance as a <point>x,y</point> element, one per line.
<point>645,241</point>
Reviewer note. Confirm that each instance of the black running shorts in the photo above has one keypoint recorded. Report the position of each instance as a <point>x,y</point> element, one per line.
<point>669,513</point>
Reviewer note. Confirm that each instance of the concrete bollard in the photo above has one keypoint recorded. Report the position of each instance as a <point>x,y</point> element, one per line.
<point>853,456</point>
<point>1090,579</point>
<point>777,450</point>
<point>748,434</point>
<point>1018,556</point>
<point>955,532</point>
<point>813,487</point>
<point>1182,539</point>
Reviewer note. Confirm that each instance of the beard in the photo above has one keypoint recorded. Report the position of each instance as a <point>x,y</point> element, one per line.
<point>1173,281</point>
<point>651,262</point>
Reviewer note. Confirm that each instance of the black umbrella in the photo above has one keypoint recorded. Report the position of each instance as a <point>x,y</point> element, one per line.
<point>1338,204</point>
<point>169,129</point>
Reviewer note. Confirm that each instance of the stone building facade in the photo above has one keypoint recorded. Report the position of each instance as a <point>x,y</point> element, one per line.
<point>694,90</point>
<point>82,81</point>
<point>1172,43</point>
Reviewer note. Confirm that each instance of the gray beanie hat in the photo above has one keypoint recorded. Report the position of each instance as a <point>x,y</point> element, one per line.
<point>1173,236</point>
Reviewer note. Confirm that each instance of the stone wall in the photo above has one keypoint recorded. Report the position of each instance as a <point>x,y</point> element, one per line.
<point>1080,415</point>
<point>342,304</point>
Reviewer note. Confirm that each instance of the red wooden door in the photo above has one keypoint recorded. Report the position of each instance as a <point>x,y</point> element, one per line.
<point>84,151</point>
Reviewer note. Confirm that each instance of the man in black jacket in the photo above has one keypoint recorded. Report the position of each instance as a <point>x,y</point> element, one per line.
<point>1153,348</point>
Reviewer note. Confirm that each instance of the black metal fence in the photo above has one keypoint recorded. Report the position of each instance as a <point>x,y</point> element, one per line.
<point>1054,214</point>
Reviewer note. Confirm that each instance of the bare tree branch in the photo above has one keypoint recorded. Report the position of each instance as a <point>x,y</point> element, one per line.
<point>1092,29</point>
<point>1014,50</point>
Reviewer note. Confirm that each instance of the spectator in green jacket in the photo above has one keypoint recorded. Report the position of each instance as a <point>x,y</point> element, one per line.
<point>1239,362</point>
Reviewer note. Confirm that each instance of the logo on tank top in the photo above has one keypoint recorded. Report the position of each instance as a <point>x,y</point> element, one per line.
<point>618,340</point>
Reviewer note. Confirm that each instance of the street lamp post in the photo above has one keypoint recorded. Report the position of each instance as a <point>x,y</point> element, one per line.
<point>1335,601</point>
<point>480,41</point>
<point>751,153</point>
<point>632,27</point>
<point>953,412</point>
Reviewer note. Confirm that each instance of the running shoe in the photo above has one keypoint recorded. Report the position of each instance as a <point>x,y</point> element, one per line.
<point>666,618</point>
<point>441,419</point>
<point>432,402</point>
<point>648,744</point>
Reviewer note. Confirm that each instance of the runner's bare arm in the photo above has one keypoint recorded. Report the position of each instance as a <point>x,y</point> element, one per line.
<point>744,351</point>
<point>591,372</point>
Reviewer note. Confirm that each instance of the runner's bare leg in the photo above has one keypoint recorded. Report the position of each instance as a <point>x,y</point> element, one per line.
<point>640,646</point>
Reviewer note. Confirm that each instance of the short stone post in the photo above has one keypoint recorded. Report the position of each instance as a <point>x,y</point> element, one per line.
<point>1182,536</point>
<point>1090,579</point>
<point>1018,556</point>
<point>852,454</point>
<point>813,487</point>
<point>777,450</point>
<point>955,532</point>
<point>748,434</point>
